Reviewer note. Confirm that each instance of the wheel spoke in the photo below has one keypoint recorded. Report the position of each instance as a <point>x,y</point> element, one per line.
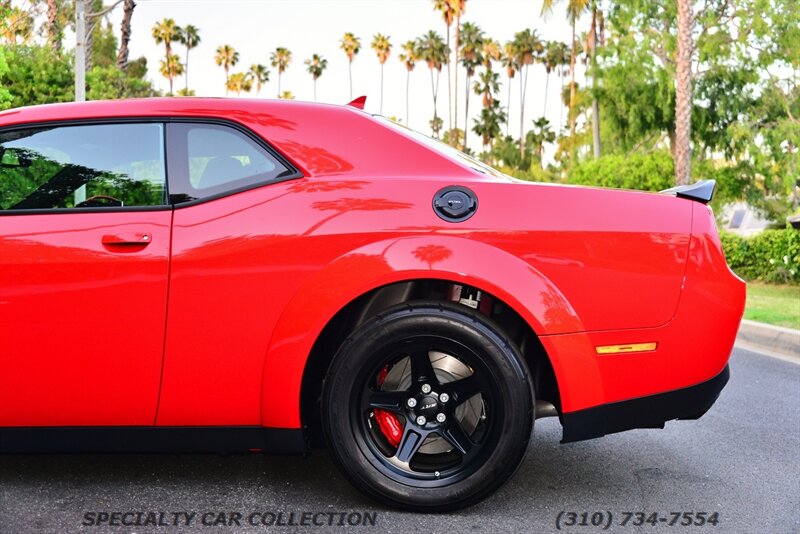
<point>464,389</point>
<point>387,400</point>
<point>456,436</point>
<point>421,368</point>
<point>409,444</point>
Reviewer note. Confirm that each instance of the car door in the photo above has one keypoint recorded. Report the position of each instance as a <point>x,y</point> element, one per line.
<point>229,275</point>
<point>84,262</point>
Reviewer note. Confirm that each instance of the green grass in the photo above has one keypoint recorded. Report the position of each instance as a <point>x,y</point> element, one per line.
<point>773,304</point>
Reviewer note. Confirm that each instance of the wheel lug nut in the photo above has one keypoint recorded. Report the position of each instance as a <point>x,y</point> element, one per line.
<point>421,420</point>
<point>412,402</point>
<point>441,417</point>
<point>444,397</point>
<point>426,388</point>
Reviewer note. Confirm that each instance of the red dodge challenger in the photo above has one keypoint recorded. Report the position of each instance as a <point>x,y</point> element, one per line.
<point>231,275</point>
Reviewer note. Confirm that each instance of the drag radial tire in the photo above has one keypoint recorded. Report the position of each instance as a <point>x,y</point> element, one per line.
<point>427,407</point>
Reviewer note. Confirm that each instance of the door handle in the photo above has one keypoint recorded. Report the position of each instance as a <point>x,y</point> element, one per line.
<point>127,239</point>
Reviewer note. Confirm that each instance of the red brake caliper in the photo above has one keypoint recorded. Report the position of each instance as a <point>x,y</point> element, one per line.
<point>389,423</point>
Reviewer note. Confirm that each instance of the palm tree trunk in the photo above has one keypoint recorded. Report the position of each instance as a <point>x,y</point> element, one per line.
<point>408,81</point>
<point>561,103</point>
<point>350,75</point>
<point>455,67</point>
<point>466,113</point>
<point>315,90</point>
<point>89,43</point>
<point>51,26</point>
<point>226,80</point>
<point>522,85</point>
<point>186,73</point>
<point>279,83</point>
<point>572,150</point>
<point>595,105</point>
<point>508,105</point>
<point>449,88</point>
<point>433,93</point>
<point>125,34</point>
<point>683,94</point>
<point>546,84</point>
<point>380,111</point>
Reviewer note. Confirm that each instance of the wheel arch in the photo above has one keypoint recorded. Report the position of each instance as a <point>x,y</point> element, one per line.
<point>324,310</point>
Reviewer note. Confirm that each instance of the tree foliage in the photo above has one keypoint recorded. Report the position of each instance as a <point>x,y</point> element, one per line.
<point>652,171</point>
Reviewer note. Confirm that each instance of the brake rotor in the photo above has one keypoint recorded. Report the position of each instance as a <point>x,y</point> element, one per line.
<point>447,369</point>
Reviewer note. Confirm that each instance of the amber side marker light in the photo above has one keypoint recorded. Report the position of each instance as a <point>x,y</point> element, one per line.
<point>632,347</point>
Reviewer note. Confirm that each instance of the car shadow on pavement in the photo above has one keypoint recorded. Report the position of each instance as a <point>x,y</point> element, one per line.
<point>550,473</point>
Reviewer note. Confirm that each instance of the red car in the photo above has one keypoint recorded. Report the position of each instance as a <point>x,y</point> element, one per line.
<point>230,275</point>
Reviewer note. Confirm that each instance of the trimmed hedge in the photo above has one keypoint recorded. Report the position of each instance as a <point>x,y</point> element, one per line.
<point>771,256</point>
<point>653,171</point>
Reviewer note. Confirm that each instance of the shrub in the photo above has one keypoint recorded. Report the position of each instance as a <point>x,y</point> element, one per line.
<point>771,256</point>
<point>653,171</point>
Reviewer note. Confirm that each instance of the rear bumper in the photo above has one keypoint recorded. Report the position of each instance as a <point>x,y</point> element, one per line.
<point>645,412</point>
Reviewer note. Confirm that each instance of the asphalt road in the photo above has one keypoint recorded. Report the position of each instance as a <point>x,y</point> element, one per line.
<point>742,460</point>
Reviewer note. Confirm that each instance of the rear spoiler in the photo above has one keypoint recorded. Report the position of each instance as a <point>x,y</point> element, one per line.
<point>702,191</point>
<point>358,103</point>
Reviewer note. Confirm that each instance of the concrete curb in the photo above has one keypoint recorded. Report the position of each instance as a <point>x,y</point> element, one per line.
<point>770,339</point>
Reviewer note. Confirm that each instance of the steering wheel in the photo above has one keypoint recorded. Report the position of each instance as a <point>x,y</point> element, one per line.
<point>98,201</point>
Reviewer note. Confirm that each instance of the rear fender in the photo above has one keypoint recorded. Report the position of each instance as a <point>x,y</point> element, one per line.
<point>378,264</point>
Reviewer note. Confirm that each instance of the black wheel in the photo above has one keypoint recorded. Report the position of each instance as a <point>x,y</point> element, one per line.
<point>427,407</point>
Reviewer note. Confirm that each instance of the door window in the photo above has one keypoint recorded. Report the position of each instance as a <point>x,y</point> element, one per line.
<point>86,166</point>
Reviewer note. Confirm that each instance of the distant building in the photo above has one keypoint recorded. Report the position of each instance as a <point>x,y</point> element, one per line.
<point>741,219</point>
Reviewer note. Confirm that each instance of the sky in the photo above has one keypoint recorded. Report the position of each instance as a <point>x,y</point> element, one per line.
<point>256,27</point>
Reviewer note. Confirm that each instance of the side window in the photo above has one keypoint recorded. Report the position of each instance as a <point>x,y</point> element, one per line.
<point>210,159</point>
<point>89,166</point>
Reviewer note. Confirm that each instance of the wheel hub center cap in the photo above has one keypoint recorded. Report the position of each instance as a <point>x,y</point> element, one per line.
<point>428,406</point>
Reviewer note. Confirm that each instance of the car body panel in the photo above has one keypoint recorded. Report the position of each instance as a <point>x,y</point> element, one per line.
<point>83,322</point>
<point>255,276</point>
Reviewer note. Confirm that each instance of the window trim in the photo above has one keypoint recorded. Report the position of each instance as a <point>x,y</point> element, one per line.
<point>165,120</point>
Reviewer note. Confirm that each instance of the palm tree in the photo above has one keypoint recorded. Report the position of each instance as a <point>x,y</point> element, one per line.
<point>436,124</point>
<point>487,85</point>
<point>240,81</point>
<point>432,50</point>
<point>574,10</point>
<point>167,32</point>
<point>226,57</point>
<point>509,59</point>
<point>471,57</point>
<point>488,124</point>
<point>451,10</point>
<point>51,29</point>
<point>124,30</point>
<point>170,68</point>
<point>351,46</point>
<point>316,66</point>
<point>260,75</point>
<point>382,47</point>
<point>18,22</point>
<point>528,47</point>
<point>550,60</point>
<point>541,134</point>
<point>190,38</point>
<point>280,59</point>
<point>459,6</point>
<point>409,58</point>
<point>286,95</point>
<point>561,60</point>
<point>683,94</point>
